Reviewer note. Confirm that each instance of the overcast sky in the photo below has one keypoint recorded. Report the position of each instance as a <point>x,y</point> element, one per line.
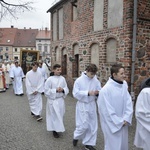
<point>36,19</point>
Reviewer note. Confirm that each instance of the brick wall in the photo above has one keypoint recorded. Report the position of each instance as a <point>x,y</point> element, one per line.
<point>81,32</point>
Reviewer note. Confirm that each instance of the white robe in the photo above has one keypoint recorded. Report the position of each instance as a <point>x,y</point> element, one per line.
<point>34,83</point>
<point>86,114</point>
<point>55,107</point>
<point>115,107</point>
<point>44,75</point>
<point>142,113</point>
<point>17,74</point>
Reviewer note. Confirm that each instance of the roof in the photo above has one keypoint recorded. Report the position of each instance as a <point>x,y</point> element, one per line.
<point>7,36</point>
<point>57,4</point>
<point>44,34</point>
<point>25,37</point>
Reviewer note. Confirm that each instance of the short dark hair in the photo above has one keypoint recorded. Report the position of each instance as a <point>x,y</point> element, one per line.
<point>115,68</point>
<point>35,63</point>
<point>56,66</point>
<point>91,68</point>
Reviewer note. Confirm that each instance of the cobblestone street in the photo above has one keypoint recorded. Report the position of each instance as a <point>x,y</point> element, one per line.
<point>19,131</point>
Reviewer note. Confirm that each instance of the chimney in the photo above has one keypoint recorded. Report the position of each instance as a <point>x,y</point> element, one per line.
<point>12,26</point>
<point>46,29</point>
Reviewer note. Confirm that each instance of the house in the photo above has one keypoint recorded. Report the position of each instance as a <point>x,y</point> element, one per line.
<point>103,32</point>
<point>24,39</point>
<point>7,37</point>
<point>43,43</point>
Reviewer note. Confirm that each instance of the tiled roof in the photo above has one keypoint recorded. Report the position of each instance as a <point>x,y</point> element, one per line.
<point>44,34</point>
<point>7,36</point>
<point>25,37</point>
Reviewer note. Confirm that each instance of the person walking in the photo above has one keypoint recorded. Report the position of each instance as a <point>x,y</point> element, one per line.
<point>55,91</point>
<point>86,89</point>
<point>44,74</point>
<point>34,88</point>
<point>115,110</point>
<point>142,115</point>
<point>17,75</point>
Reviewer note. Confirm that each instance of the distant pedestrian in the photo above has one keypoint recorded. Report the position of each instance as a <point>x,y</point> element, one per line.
<point>142,114</point>
<point>17,76</point>
<point>55,90</point>
<point>85,90</point>
<point>115,110</point>
<point>2,79</point>
<point>34,88</point>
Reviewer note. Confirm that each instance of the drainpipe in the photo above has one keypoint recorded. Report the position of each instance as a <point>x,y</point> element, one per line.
<point>133,49</point>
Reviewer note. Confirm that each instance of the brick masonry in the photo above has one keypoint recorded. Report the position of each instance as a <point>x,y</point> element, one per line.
<point>81,32</point>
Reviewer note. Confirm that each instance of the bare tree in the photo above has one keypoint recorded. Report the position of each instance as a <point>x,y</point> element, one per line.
<point>12,9</point>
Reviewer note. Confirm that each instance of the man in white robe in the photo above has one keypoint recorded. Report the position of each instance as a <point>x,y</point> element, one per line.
<point>142,114</point>
<point>17,76</point>
<point>85,90</point>
<point>115,110</point>
<point>55,90</point>
<point>34,88</point>
<point>44,74</point>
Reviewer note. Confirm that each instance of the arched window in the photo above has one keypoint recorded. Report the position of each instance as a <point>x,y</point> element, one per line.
<point>95,54</point>
<point>75,63</point>
<point>111,46</point>
<point>64,61</point>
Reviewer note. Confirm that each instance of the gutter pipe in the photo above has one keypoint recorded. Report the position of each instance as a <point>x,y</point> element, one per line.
<point>133,49</point>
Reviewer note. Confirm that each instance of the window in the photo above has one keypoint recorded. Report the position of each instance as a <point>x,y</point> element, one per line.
<point>39,47</point>
<point>75,63</point>
<point>95,54</point>
<point>1,49</point>
<point>45,48</point>
<point>115,13</point>
<point>6,48</point>
<point>15,49</point>
<point>55,26</point>
<point>98,14</point>
<point>64,61</point>
<point>60,23</point>
<point>16,58</point>
<point>111,50</point>
<point>74,10</point>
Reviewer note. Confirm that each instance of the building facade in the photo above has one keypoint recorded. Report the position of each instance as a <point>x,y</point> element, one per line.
<point>103,32</point>
<point>43,43</point>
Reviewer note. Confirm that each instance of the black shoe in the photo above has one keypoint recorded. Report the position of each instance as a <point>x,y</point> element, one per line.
<point>39,118</point>
<point>17,94</point>
<point>75,142</point>
<point>55,134</point>
<point>89,147</point>
<point>21,94</point>
<point>32,114</point>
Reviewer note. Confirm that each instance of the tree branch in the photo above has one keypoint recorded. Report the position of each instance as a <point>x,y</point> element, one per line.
<point>9,9</point>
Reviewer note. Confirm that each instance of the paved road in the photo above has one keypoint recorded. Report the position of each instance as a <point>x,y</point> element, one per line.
<point>19,131</point>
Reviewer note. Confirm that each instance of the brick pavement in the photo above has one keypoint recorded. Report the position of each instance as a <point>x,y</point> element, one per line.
<point>19,131</point>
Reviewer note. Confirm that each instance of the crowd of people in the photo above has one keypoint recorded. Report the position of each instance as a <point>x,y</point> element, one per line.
<point>113,102</point>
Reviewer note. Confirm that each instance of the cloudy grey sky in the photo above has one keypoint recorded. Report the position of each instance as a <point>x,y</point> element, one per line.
<point>36,19</point>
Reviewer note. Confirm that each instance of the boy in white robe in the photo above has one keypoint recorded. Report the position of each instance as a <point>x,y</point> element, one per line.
<point>55,90</point>
<point>85,90</point>
<point>44,74</point>
<point>17,76</point>
<point>142,114</point>
<point>34,88</point>
<point>115,110</point>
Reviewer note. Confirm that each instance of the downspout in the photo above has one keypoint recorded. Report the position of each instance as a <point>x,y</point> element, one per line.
<point>133,49</point>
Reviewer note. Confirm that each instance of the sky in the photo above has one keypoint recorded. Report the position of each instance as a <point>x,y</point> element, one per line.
<point>35,19</point>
